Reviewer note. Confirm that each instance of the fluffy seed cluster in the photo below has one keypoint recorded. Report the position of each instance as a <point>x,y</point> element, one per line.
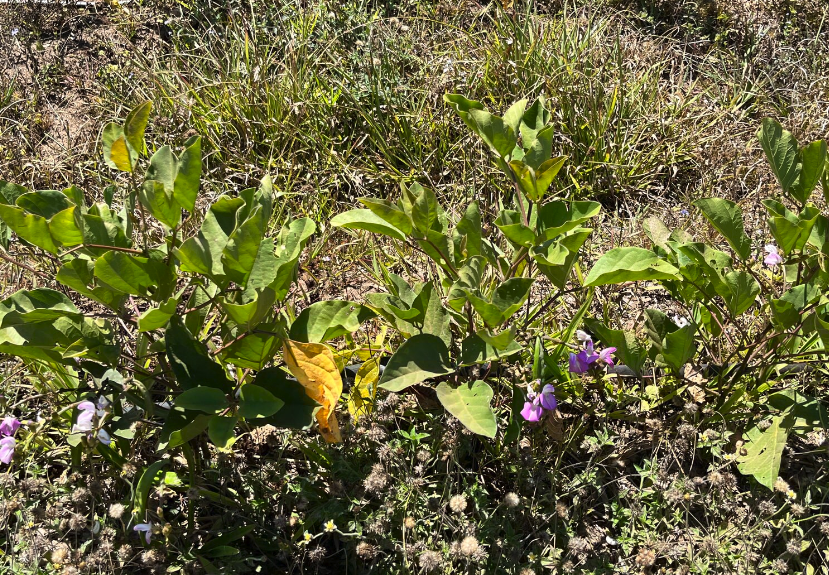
<point>470,546</point>
<point>377,480</point>
<point>430,560</point>
<point>116,510</point>
<point>512,500</point>
<point>646,557</point>
<point>366,550</point>
<point>457,504</point>
<point>781,485</point>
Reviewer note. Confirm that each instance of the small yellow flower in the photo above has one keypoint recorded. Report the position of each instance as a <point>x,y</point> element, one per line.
<point>790,494</point>
<point>307,536</point>
<point>329,527</point>
<point>532,557</point>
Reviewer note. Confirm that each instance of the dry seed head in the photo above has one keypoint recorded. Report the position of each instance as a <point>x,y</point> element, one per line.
<point>645,557</point>
<point>430,560</point>
<point>469,546</point>
<point>116,510</point>
<point>457,504</point>
<point>409,523</point>
<point>512,500</point>
<point>781,485</point>
<point>366,550</point>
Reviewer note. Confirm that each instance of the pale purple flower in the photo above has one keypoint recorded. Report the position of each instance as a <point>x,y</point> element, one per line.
<point>7,449</point>
<point>548,398</point>
<point>773,257</point>
<point>531,411</point>
<point>606,356</point>
<point>104,437</point>
<point>9,425</point>
<point>580,362</point>
<point>86,413</point>
<point>146,528</point>
<point>582,335</point>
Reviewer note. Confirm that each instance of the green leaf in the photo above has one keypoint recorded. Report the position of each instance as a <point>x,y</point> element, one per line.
<point>203,253</point>
<point>186,185</point>
<point>30,227</point>
<point>786,310</point>
<point>190,361</point>
<point>202,398</point>
<point>64,227</point>
<point>159,202</point>
<point>781,150</point>
<point>156,318</point>
<point>556,217</point>
<point>249,315</point>
<point>545,174</point>
<point>44,203</point>
<point>145,483</point>
<point>37,305</point>
<point>509,222</point>
<point>125,272</point>
<point>678,347</point>
<point>507,298</point>
<point>78,274</point>
<point>513,116</point>
<point>222,431</point>
<point>193,429</point>
<point>813,163</point>
<point>424,209</point>
<point>744,290</point>
<point>256,402</point>
<point>807,413</point>
<point>628,349</point>
<point>299,410</point>
<point>163,168</point>
<point>476,350</point>
<point>764,450</point>
<point>330,319</point>
<point>539,150</point>
<point>243,247</point>
<point>470,403</point>
<point>628,264</point>
<point>116,153</point>
<point>470,226</point>
<point>134,127</point>
<point>369,221</point>
<point>499,136</point>
<point>421,357</point>
<point>390,213</point>
<point>469,279</point>
<point>727,217</point>
<point>534,120</point>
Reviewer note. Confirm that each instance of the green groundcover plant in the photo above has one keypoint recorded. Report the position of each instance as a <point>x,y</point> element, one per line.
<point>192,328</point>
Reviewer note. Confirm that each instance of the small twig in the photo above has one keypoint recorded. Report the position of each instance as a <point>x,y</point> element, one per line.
<point>4,255</point>
<point>102,247</point>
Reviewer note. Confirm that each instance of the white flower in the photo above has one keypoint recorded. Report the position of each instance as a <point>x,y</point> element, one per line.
<point>680,321</point>
<point>583,336</point>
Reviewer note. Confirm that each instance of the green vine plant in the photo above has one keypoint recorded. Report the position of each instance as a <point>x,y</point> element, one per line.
<point>168,338</point>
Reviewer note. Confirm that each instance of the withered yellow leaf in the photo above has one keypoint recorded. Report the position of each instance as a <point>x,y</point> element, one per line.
<point>361,399</point>
<point>120,155</point>
<point>314,367</point>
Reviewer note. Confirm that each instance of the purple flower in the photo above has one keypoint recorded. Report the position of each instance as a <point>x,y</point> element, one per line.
<point>7,449</point>
<point>9,425</point>
<point>531,411</point>
<point>548,398</point>
<point>146,528</point>
<point>86,414</point>
<point>773,257</point>
<point>606,356</point>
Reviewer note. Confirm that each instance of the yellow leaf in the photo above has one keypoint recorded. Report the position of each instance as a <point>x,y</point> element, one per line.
<point>314,367</point>
<point>361,400</point>
<point>120,155</point>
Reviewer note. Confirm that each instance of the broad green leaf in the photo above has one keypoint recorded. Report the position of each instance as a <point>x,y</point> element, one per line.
<point>534,120</point>
<point>678,347</point>
<point>190,361</point>
<point>470,403</point>
<point>424,209</point>
<point>37,305</point>
<point>657,231</point>
<point>44,203</point>
<point>509,222</point>
<point>764,450</point>
<point>727,217</point>
<point>744,290</point>
<point>159,202</point>
<point>299,409</point>
<point>470,226</point>
<point>628,264</point>
<point>545,174</point>
<point>9,192</point>
<point>513,116</point>
<point>163,168</point>
<point>203,253</point>
<point>314,367</point>
<point>558,265</point>
<point>781,150</point>
<point>116,153</point>
<point>421,357</point>
<point>190,431</point>
<point>628,349</point>
<point>30,227</point>
<point>249,315</point>
<point>813,163</point>
<point>390,213</point>
<point>242,248</point>
<point>476,350</point>
<point>507,298</point>
<point>203,398</point>
<point>64,228</point>
<point>134,127</point>
<point>157,317</point>
<point>290,243</point>
<point>539,150</point>
<point>125,272</point>
<point>556,217</point>
<point>222,431</point>
<point>463,106</point>
<point>79,274</point>
<point>657,326</point>
<point>186,185</point>
<point>264,271</point>
<point>808,413</point>
<point>499,136</point>
<point>786,309</point>
<point>253,351</point>
<point>330,319</point>
<point>367,220</point>
<point>256,402</point>
<point>469,279</point>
